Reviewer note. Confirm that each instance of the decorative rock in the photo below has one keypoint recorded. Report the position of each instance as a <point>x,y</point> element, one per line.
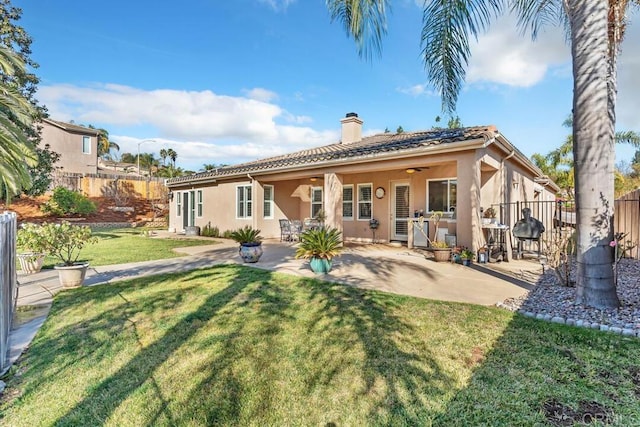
<point>2,386</point>
<point>540,316</point>
<point>570,322</point>
<point>547,317</point>
<point>595,325</point>
<point>615,330</point>
<point>604,328</point>
<point>558,319</point>
<point>628,332</point>
<point>580,323</point>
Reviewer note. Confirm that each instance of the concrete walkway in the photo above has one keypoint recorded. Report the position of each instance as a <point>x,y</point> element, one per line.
<point>379,267</point>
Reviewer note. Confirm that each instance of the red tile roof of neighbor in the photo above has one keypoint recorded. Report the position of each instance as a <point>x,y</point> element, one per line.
<point>368,147</point>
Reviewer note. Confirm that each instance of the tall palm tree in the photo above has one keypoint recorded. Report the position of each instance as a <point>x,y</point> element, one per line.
<point>163,156</point>
<point>17,153</point>
<point>596,29</point>
<point>172,155</point>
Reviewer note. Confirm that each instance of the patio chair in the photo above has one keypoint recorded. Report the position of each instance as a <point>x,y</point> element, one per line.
<point>296,228</point>
<point>286,232</point>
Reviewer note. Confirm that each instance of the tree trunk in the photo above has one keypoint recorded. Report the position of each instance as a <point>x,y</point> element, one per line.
<point>593,150</point>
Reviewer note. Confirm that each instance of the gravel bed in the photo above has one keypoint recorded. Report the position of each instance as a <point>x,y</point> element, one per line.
<point>552,302</point>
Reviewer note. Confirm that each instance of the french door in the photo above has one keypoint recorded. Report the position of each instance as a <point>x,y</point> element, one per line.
<point>400,211</point>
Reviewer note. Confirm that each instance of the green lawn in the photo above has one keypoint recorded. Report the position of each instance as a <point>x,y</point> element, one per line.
<point>123,245</point>
<point>242,346</point>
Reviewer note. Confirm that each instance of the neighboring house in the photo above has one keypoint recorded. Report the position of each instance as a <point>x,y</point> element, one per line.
<point>77,146</point>
<point>386,177</point>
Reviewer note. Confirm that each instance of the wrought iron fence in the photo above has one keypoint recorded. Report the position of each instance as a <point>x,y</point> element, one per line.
<point>560,215</point>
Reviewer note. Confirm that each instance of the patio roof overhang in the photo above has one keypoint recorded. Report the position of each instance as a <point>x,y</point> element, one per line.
<point>356,163</point>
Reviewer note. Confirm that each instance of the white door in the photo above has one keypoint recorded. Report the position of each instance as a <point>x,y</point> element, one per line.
<point>399,211</point>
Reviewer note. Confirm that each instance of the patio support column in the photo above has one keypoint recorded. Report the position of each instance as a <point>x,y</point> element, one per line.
<point>333,200</point>
<point>469,228</point>
<point>257,191</point>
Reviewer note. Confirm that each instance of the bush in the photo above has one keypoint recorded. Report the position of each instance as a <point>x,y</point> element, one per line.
<point>67,202</point>
<point>210,231</point>
<point>227,234</point>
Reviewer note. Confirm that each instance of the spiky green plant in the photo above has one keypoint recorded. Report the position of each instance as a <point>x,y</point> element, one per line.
<point>246,234</point>
<point>320,243</point>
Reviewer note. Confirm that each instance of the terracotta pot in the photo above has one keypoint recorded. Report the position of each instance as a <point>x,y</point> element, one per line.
<point>250,252</point>
<point>72,276</point>
<point>31,262</point>
<point>441,255</point>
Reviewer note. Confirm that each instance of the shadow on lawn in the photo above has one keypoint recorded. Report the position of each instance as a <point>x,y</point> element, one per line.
<point>105,398</point>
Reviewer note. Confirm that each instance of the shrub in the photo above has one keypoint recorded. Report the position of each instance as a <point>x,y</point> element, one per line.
<point>246,234</point>
<point>210,231</point>
<point>67,202</point>
<point>227,234</point>
<point>64,241</point>
<point>319,243</point>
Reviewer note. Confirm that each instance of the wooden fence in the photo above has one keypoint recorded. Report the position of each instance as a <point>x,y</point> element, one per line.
<point>99,185</point>
<point>627,222</point>
<point>9,290</point>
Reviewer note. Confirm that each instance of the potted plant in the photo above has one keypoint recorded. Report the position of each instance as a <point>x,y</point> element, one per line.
<point>441,250</point>
<point>32,242</point>
<point>489,216</point>
<point>65,241</point>
<point>250,243</point>
<point>319,246</point>
<point>466,256</point>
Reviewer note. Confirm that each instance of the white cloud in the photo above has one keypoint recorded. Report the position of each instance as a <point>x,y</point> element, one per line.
<point>260,94</point>
<point>278,5</point>
<point>504,56</point>
<point>203,127</point>
<point>417,90</point>
<point>628,105</point>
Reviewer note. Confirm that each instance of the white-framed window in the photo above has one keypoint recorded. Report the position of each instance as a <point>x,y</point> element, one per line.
<point>442,194</point>
<point>199,204</point>
<point>365,202</point>
<point>243,202</point>
<point>268,202</point>
<point>178,203</point>
<point>347,202</point>
<point>86,145</point>
<point>316,201</point>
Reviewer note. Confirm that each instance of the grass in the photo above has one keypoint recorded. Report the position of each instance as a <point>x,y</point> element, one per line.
<point>232,345</point>
<point>124,245</point>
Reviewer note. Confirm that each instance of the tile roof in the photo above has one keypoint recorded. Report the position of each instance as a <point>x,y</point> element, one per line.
<point>366,148</point>
<point>72,127</point>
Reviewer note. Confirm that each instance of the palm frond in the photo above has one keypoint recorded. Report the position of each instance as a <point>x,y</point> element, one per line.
<point>533,15</point>
<point>446,27</point>
<point>364,20</point>
<point>628,137</point>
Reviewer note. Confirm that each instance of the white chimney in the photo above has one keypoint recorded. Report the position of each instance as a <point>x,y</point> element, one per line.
<point>351,128</point>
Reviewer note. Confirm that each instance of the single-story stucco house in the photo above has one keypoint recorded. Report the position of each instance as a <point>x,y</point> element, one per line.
<point>387,177</point>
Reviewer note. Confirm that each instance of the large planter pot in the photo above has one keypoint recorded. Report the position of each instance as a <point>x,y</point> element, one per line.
<point>72,276</point>
<point>250,252</point>
<point>193,230</point>
<point>466,262</point>
<point>320,265</point>
<point>31,262</point>
<point>441,255</point>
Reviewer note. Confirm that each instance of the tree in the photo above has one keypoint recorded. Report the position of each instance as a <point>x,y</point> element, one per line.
<point>14,38</point>
<point>400,129</point>
<point>163,156</point>
<point>16,151</point>
<point>596,29</point>
<point>104,144</point>
<point>173,156</point>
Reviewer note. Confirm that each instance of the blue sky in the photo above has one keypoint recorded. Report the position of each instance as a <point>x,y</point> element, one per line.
<point>232,81</point>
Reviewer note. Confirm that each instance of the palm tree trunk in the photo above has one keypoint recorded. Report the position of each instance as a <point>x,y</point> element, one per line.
<point>594,152</point>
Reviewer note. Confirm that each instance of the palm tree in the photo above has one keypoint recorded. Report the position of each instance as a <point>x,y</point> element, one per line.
<point>596,28</point>
<point>173,156</point>
<point>17,153</point>
<point>163,156</point>
<point>104,144</point>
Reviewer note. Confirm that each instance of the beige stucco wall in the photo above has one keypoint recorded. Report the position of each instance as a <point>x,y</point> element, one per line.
<point>69,146</point>
<point>484,178</point>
